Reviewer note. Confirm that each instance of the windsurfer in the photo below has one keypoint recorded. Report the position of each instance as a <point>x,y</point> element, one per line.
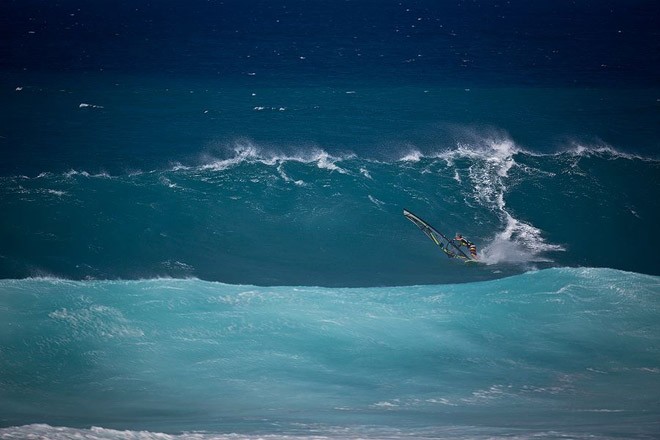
<point>462,241</point>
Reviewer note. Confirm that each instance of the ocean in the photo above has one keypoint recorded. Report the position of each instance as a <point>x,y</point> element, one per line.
<point>202,233</point>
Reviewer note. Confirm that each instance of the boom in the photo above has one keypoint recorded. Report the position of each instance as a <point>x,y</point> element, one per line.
<point>448,246</point>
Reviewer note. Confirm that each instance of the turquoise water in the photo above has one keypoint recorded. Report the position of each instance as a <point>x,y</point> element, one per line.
<point>512,357</point>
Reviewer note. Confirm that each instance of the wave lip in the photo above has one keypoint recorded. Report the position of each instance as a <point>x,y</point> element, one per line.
<point>581,149</point>
<point>246,151</point>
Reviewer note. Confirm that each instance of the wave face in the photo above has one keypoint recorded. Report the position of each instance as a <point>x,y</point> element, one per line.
<point>260,216</point>
<point>575,348</point>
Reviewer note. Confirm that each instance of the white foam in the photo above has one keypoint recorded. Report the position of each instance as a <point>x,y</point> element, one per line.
<point>43,431</point>
<point>519,243</point>
<point>286,177</point>
<point>85,105</point>
<point>247,152</point>
<point>375,201</point>
<point>366,173</point>
<point>260,108</point>
<point>244,152</point>
<point>495,148</point>
<point>385,405</point>
<point>601,149</point>
<point>103,321</point>
<point>412,156</point>
<point>56,192</point>
<point>179,167</point>
<point>179,265</point>
<point>73,173</point>
<point>324,160</point>
<point>167,182</point>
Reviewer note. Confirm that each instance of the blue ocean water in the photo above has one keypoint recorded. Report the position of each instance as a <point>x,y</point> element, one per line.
<point>307,217</point>
<point>202,233</point>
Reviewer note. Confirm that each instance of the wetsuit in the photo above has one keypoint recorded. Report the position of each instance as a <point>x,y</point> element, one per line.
<point>468,244</point>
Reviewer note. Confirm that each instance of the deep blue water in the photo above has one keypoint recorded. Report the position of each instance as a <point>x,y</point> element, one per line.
<point>484,42</point>
<point>202,225</point>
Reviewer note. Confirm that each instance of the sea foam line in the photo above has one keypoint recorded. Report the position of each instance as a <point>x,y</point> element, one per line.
<point>577,149</point>
<point>247,152</point>
<point>498,150</point>
<point>449,432</point>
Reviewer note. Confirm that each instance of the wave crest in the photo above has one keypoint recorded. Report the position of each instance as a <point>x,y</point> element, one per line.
<point>246,151</point>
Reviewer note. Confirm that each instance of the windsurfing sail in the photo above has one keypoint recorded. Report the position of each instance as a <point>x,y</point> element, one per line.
<point>447,245</point>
